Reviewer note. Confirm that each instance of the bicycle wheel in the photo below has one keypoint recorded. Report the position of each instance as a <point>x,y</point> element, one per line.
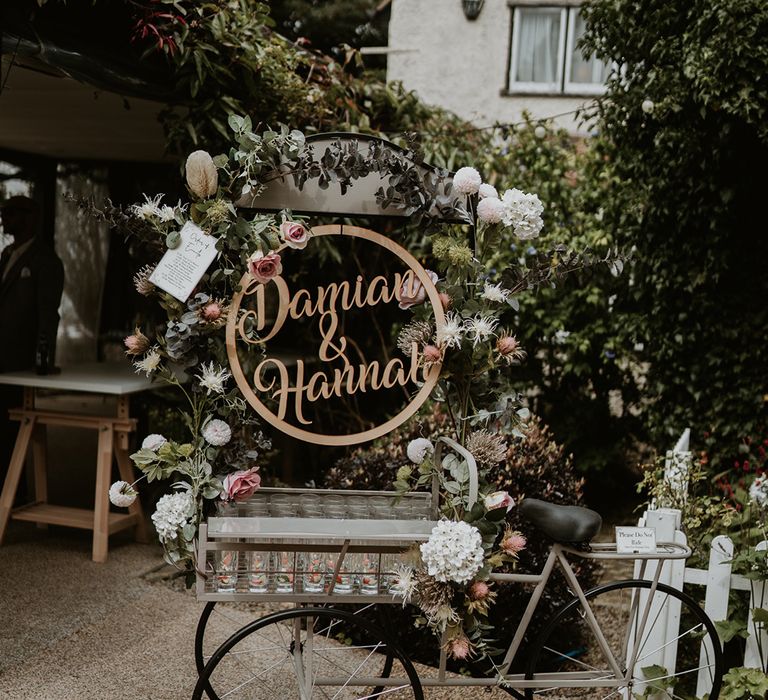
<point>669,666</point>
<point>308,653</point>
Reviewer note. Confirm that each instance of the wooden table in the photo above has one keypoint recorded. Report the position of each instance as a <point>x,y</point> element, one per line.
<point>97,378</point>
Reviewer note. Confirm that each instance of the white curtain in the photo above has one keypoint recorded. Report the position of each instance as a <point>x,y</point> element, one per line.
<point>538,43</point>
<point>589,70</point>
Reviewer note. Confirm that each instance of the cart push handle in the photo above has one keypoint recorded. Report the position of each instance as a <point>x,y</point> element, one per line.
<point>471,467</point>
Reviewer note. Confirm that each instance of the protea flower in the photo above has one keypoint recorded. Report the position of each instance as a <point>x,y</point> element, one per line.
<point>202,176</point>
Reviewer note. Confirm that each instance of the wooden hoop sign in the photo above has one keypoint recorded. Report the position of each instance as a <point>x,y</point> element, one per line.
<point>332,375</point>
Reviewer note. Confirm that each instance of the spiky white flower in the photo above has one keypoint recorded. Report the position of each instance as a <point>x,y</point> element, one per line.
<point>487,191</point>
<point>166,213</point>
<point>495,293</point>
<point>404,583</point>
<point>148,209</point>
<point>418,450</point>
<point>758,491</point>
<point>213,379</point>
<point>150,362</point>
<point>153,442</point>
<point>122,494</point>
<point>480,328</point>
<point>454,552</point>
<point>467,181</point>
<point>450,335</point>
<point>173,512</point>
<point>217,433</point>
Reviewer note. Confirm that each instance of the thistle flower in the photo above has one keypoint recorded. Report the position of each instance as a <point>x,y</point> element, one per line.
<point>212,379</point>
<point>431,355</point>
<point>150,362</point>
<point>432,595</point>
<point>141,280</point>
<point>449,336</point>
<point>459,648</point>
<point>404,584</point>
<point>513,542</point>
<point>148,209</point>
<point>122,494</point>
<point>495,293</point>
<point>479,598</point>
<point>136,344</point>
<point>478,590</point>
<point>419,332</point>
<point>202,176</point>
<point>509,350</point>
<point>480,328</point>
<point>487,448</point>
<point>166,214</point>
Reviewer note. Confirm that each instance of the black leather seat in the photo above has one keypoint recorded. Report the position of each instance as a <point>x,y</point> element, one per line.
<point>565,524</point>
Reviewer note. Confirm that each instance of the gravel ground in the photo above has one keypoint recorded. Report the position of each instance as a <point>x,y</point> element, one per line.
<point>71,629</point>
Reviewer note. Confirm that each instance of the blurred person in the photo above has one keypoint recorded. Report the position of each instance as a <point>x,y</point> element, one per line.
<point>31,283</point>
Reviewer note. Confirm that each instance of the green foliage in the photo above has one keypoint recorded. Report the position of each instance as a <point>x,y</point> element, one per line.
<point>683,132</point>
<point>744,684</point>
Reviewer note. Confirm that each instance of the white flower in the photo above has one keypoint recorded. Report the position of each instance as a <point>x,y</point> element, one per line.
<point>647,106</point>
<point>213,379</point>
<point>122,494</point>
<point>491,211</point>
<point>495,292</point>
<point>216,432</point>
<point>404,583</point>
<point>173,512</point>
<point>153,442</point>
<point>561,336</point>
<point>147,209</point>
<point>758,491</point>
<point>498,499</point>
<point>480,328</point>
<point>418,450</point>
<point>450,334</point>
<point>202,176</point>
<point>454,552</point>
<point>150,362</point>
<point>467,181</point>
<point>487,191</point>
<point>523,212</point>
<point>166,213</point>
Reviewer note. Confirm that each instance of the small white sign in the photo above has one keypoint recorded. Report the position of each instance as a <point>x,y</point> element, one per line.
<point>181,268</point>
<point>635,540</point>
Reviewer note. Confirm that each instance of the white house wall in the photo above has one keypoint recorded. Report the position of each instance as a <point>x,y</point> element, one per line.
<point>462,65</point>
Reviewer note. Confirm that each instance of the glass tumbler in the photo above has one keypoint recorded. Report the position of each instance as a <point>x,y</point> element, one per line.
<point>345,578</point>
<point>313,568</point>
<point>226,570</point>
<point>258,572</point>
<point>369,573</point>
<point>284,568</point>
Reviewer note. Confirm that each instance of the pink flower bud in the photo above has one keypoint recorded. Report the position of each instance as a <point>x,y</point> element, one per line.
<point>212,311</point>
<point>479,590</point>
<point>432,354</point>
<point>513,543</point>
<point>459,648</point>
<point>507,344</point>
<point>136,344</point>
<point>294,234</point>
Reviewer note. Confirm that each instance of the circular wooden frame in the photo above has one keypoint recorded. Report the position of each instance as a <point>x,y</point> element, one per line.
<point>352,439</point>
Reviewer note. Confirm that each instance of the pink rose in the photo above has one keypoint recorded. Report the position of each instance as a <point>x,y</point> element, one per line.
<point>498,499</point>
<point>413,293</point>
<point>239,486</point>
<point>264,267</point>
<point>294,234</point>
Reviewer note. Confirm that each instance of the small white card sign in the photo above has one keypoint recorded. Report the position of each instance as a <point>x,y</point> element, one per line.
<point>635,540</point>
<point>181,268</point>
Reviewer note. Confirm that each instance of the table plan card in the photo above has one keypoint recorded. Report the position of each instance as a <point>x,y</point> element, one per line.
<point>635,540</point>
<point>181,268</point>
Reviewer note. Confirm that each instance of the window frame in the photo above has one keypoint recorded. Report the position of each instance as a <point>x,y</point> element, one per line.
<point>535,87</point>
<point>569,87</point>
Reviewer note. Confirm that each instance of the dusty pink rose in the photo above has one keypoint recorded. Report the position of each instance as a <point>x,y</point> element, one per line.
<point>264,267</point>
<point>413,293</point>
<point>239,486</point>
<point>479,590</point>
<point>498,499</point>
<point>294,234</point>
<point>212,311</point>
<point>459,647</point>
<point>513,543</point>
<point>136,344</point>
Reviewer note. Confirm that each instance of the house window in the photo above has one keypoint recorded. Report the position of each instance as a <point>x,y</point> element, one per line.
<point>545,57</point>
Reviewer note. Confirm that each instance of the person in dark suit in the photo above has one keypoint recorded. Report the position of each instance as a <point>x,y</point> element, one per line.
<point>31,282</point>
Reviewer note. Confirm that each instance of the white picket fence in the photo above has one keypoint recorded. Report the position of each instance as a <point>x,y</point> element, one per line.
<point>717,578</point>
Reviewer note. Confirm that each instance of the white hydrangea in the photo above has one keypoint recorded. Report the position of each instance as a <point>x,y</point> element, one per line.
<point>758,491</point>
<point>467,181</point>
<point>217,433</point>
<point>153,442</point>
<point>173,512</point>
<point>487,191</point>
<point>418,450</point>
<point>523,212</point>
<point>122,494</point>
<point>491,211</point>
<point>454,552</point>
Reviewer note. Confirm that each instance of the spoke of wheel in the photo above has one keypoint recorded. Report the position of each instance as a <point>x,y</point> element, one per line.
<point>384,692</point>
<point>362,663</point>
<point>671,675</point>
<point>333,663</point>
<point>255,677</point>
<point>671,641</point>
<point>238,624</point>
<point>570,658</point>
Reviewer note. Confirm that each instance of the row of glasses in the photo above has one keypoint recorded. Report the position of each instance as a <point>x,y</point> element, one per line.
<point>277,572</point>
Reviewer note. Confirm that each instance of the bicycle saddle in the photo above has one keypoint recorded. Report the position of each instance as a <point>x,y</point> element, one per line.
<point>565,524</point>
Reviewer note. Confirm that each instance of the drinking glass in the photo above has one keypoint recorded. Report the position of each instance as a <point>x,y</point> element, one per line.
<point>226,570</point>
<point>345,578</point>
<point>369,573</point>
<point>313,568</point>
<point>258,572</point>
<point>284,568</point>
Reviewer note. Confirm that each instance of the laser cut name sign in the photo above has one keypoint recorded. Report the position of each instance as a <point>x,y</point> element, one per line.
<point>282,395</point>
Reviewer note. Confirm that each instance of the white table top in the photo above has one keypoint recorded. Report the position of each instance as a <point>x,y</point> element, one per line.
<point>116,378</point>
